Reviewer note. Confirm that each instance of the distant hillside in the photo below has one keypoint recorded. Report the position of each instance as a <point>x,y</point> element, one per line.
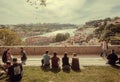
<point>39,25</point>
<point>26,30</point>
<point>98,23</point>
<point>108,28</point>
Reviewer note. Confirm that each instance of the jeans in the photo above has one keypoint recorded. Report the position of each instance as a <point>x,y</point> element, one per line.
<point>103,53</point>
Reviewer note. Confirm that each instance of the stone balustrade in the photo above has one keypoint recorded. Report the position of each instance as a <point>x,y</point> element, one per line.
<point>39,50</point>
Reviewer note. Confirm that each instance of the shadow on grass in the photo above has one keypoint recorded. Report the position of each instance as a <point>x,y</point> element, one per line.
<point>45,69</point>
<point>77,70</point>
<point>55,70</point>
<point>8,80</point>
<point>115,66</point>
<point>66,71</point>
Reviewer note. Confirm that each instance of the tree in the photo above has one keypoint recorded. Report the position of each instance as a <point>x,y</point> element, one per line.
<point>59,37</point>
<point>62,37</point>
<point>9,37</point>
<point>67,35</point>
<point>106,34</point>
<point>116,28</point>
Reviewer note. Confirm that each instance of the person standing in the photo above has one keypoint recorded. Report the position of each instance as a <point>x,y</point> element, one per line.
<point>9,57</point>
<point>4,56</point>
<point>104,47</point>
<point>23,56</point>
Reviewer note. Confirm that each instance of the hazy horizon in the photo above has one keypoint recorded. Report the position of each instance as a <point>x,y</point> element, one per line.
<point>57,11</point>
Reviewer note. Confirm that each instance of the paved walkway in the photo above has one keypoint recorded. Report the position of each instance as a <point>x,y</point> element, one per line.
<point>85,60</point>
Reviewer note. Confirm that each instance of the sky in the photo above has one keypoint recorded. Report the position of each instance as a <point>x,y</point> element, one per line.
<point>57,11</point>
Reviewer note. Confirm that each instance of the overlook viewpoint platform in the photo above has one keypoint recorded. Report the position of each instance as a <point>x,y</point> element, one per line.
<point>84,60</point>
<point>40,50</point>
<point>88,55</point>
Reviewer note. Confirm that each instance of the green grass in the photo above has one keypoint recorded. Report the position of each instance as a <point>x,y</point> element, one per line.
<point>88,74</point>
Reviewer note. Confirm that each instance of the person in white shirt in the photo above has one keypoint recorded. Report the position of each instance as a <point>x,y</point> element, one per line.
<point>104,47</point>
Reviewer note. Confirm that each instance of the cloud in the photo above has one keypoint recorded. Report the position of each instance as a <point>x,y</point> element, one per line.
<point>115,9</point>
<point>60,11</point>
<point>98,9</point>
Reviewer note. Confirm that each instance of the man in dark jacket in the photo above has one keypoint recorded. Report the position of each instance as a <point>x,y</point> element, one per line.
<point>23,56</point>
<point>15,72</point>
<point>112,58</point>
<point>65,63</point>
<point>55,62</point>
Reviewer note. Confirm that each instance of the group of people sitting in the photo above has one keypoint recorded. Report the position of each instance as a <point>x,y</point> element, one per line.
<point>13,70</point>
<point>10,67</point>
<point>55,62</point>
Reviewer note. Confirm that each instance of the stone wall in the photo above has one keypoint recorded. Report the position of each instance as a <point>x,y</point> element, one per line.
<point>38,50</point>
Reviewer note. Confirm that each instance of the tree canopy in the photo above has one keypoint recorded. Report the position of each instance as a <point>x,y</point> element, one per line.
<point>9,38</point>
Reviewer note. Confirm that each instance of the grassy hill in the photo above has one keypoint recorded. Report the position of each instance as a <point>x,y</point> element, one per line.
<point>88,74</point>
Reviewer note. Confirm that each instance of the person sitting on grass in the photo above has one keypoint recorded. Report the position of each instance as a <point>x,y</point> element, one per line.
<point>4,68</point>
<point>46,60</point>
<point>112,58</point>
<point>15,71</point>
<point>65,63</point>
<point>55,62</point>
<point>75,63</point>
